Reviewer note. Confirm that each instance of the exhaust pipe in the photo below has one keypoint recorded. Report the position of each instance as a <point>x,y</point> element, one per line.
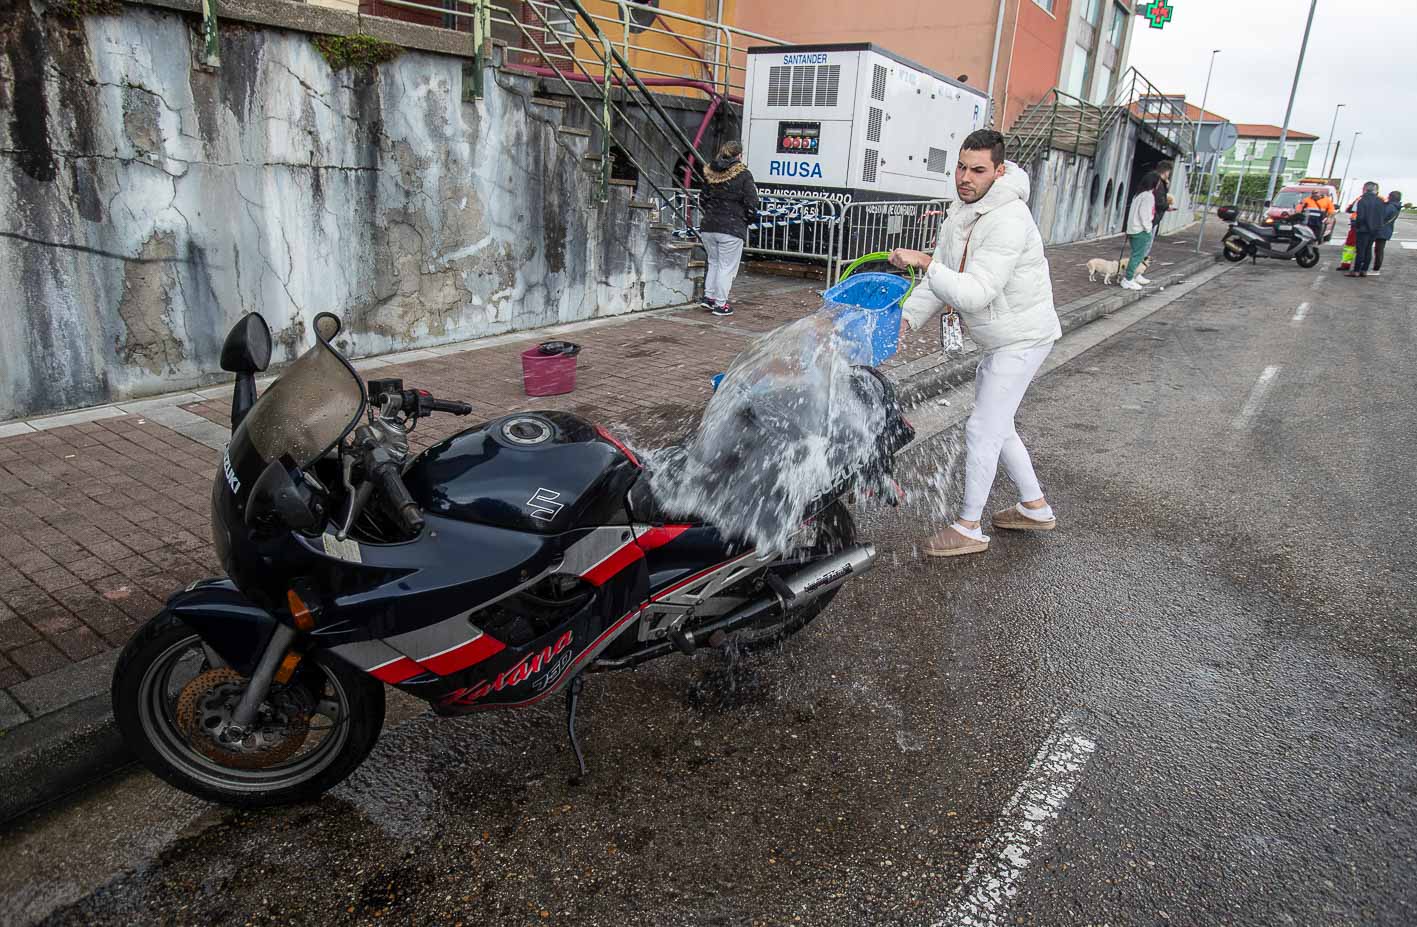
<point>806,585</point>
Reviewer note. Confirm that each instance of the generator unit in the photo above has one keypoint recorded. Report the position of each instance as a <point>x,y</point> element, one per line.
<point>854,122</point>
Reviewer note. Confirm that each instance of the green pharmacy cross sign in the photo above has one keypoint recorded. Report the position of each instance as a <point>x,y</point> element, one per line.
<point>1159,12</point>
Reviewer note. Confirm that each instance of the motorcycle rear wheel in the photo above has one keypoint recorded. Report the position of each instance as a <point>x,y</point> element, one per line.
<point>1231,255</point>
<point>836,529</point>
<point>164,661</point>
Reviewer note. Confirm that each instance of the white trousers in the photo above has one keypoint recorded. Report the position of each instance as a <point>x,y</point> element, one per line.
<point>724,253</point>
<point>999,385</point>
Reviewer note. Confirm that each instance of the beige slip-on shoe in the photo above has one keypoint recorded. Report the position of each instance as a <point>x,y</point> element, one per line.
<point>1014,520</point>
<point>951,543</point>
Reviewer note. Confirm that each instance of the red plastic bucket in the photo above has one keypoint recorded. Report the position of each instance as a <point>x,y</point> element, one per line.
<point>548,374</point>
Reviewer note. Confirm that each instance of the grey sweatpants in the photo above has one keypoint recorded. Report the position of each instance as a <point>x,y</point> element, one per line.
<point>724,253</point>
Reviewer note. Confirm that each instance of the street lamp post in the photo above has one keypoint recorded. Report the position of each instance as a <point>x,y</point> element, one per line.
<point>1348,166</point>
<point>1331,129</point>
<point>1289,111</point>
<point>1200,120</point>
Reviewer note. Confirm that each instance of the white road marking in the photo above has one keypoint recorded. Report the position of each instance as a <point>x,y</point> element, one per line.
<point>1409,246</point>
<point>1302,311</point>
<point>1318,281</point>
<point>993,878</point>
<point>1256,400</point>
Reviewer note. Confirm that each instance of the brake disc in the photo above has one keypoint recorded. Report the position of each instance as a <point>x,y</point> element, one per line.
<point>205,707</point>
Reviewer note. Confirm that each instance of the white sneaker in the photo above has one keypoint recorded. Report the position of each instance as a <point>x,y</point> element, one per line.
<point>1142,280</point>
<point>1131,285</point>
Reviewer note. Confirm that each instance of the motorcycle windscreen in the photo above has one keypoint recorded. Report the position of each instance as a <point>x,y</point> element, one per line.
<point>309,408</point>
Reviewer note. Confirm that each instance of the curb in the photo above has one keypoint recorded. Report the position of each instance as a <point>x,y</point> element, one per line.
<point>58,753</point>
<point>934,374</point>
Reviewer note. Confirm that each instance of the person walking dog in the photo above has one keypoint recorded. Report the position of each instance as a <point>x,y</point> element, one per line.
<point>1393,209</point>
<point>1372,218</point>
<point>989,268</point>
<point>1139,233</point>
<point>730,202</point>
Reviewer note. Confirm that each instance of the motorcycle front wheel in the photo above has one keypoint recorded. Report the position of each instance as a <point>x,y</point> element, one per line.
<point>1307,258</point>
<point>172,703</point>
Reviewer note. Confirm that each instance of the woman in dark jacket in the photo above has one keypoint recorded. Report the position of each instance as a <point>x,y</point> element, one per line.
<point>1380,240</point>
<point>729,202</point>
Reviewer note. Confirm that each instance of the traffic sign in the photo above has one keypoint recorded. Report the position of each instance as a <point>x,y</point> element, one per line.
<point>1219,137</point>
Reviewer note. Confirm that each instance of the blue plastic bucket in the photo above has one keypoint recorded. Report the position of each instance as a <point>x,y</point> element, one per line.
<point>870,321</point>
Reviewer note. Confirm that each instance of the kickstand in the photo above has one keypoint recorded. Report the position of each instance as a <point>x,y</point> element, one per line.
<point>573,698</point>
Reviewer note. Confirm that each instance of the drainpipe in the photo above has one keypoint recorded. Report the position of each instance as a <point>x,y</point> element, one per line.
<point>993,57</point>
<point>1013,41</point>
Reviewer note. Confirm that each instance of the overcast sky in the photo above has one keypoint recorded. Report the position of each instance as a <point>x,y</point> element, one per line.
<point>1360,54</point>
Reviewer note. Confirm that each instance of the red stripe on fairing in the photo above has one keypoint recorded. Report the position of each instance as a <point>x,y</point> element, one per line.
<point>463,655</point>
<point>658,537</point>
<point>589,653</point>
<point>699,575</point>
<point>605,570</point>
<point>605,433</point>
<point>395,671</point>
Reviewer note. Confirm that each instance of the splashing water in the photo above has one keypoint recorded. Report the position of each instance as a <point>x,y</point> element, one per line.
<point>790,420</point>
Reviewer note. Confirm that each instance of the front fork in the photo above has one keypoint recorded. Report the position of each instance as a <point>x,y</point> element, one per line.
<point>261,679</point>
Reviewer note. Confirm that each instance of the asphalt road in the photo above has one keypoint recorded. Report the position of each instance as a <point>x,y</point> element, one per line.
<point>1192,704</point>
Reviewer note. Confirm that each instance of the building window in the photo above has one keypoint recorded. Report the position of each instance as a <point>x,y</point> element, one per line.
<point>1120,18</point>
<point>1080,71</point>
<point>1091,11</point>
<point>1290,150</point>
<point>1103,91</point>
<point>1046,4</point>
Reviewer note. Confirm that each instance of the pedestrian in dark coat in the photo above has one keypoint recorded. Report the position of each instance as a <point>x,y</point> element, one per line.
<point>1371,218</point>
<point>1393,208</point>
<point>729,203</point>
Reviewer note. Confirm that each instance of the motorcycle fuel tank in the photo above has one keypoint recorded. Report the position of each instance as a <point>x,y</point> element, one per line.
<point>545,472</point>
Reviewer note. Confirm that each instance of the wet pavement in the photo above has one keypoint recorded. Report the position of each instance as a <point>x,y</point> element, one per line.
<point>1192,704</point>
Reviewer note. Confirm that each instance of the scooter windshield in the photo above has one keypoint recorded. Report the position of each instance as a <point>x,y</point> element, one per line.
<point>310,407</point>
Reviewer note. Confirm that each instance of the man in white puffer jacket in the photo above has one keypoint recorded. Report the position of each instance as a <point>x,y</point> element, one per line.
<point>989,268</point>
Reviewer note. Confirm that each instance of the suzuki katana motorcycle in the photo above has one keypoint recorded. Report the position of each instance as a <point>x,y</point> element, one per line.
<point>1290,238</point>
<point>490,571</point>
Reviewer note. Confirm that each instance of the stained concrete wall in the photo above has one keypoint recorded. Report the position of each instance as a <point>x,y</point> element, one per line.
<point>145,205</point>
<point>1068,206</point>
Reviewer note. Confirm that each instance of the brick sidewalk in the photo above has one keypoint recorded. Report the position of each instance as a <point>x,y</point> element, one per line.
<point>104,519</point>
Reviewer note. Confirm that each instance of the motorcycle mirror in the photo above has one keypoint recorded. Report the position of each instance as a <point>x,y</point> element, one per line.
<point>247,348</point>
<point>327,326</point>
<point>276,498</point>
<point>1266,204</point>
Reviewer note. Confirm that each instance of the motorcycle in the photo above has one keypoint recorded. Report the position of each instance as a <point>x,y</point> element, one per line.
<point>1290,238</point>
<point>491,571</point>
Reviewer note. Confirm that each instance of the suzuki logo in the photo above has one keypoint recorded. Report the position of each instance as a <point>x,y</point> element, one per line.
<point>543,504</point>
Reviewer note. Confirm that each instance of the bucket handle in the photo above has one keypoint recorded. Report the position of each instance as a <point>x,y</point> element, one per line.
<point>872,258</point>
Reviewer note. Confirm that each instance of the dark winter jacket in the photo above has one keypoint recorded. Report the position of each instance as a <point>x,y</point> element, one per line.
<point>1152,181</point>
<point>1372,214</point>
<point>729,199</point>
<point>1391,210</point>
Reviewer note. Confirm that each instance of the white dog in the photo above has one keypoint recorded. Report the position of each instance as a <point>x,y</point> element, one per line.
<point>1109,269</point>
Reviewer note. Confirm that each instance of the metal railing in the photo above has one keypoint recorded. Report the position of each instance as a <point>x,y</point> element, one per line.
<point>868,227</point>
<point>661,44</point>
<point>799,227</point>
<point>1063,122</point>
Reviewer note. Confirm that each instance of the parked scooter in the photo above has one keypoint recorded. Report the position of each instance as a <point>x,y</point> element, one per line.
<point>490,571</point>
<point>1289,238</point>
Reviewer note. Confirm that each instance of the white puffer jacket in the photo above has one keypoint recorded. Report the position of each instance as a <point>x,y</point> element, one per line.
<point>1004,295</point>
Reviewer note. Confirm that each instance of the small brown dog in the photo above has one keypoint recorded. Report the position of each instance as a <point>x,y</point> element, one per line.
<point>1109,269</point>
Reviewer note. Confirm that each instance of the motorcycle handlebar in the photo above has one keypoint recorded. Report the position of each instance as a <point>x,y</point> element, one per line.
<point>452,408</point>
<point>387,477</point>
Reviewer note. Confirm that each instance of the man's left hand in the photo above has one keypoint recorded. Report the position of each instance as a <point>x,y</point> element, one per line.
<point>904,257</point>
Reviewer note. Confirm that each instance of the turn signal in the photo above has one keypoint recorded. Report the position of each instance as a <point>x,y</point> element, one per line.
<point>287,667</point>
<point>304,620</point>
